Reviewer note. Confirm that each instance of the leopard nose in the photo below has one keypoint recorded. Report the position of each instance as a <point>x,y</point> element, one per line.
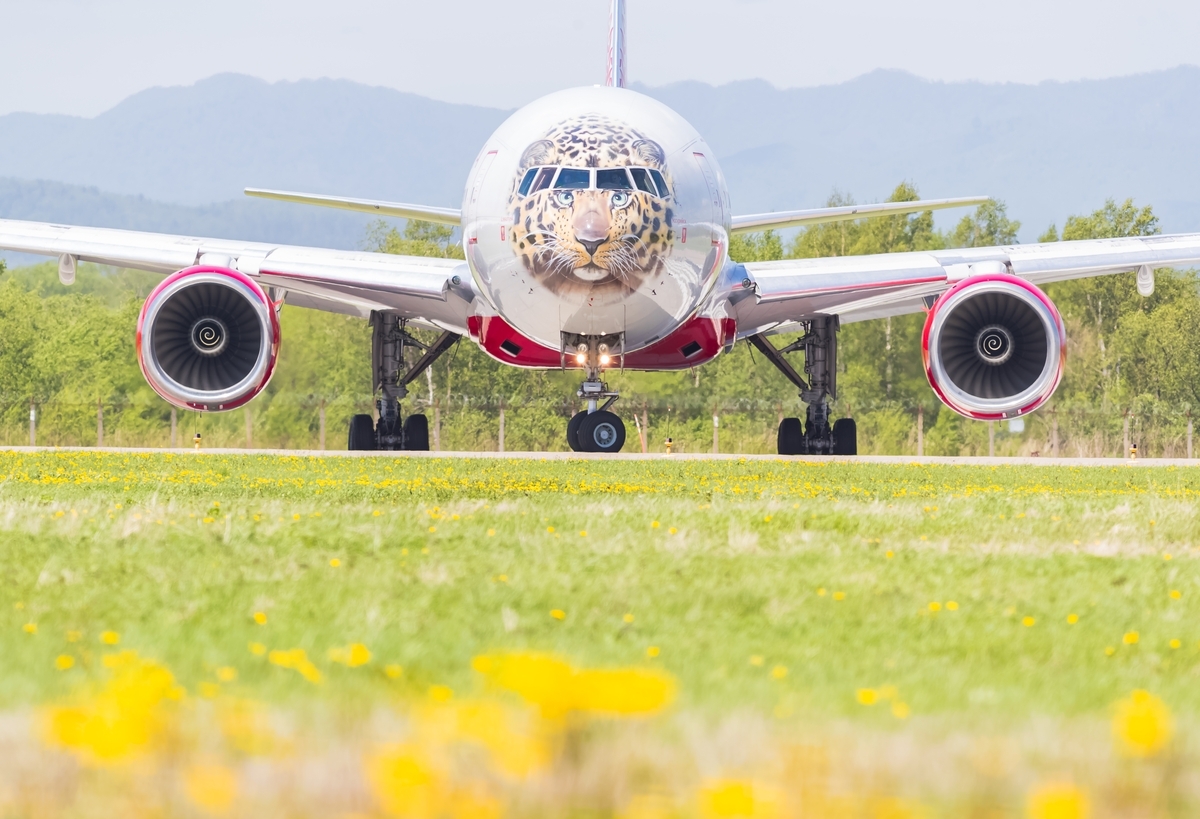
<point>591,229</point>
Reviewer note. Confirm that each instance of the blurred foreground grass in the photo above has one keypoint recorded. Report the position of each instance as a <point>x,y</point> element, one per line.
<point>826,640</point>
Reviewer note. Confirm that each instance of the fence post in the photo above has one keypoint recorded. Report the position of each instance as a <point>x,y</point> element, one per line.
<point>32,423</point>
<point>1054,431</point>
<point>645,429</point>
<point>1125,433</point>
<point>321,416</point>
<point>99,422</point>
<point>716,434</point>
<point>991,439</point>
<point>437,426</point>
<point>249,428</point>
<point>174,428</point>
<point>501,426</point>
<point>920,431</point>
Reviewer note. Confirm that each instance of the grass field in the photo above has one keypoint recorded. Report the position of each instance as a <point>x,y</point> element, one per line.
<point>199,634</point>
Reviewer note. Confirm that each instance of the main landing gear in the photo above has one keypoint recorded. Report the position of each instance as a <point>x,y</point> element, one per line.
<point>816,436</point>
<point>389,341</point>
<point>596,429</point>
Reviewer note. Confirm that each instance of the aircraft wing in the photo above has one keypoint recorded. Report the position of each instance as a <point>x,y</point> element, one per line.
<point>866,287</point>
<point>436,292</point>
<point>845,213</point>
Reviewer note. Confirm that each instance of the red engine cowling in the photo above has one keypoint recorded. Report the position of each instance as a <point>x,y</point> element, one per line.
<point>208,339</point>
<point>993,347</point>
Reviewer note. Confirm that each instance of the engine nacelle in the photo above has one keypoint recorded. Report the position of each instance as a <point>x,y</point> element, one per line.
<point>993,347</point>
<point>208,339</point>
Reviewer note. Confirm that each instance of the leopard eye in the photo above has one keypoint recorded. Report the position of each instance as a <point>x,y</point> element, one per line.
<point>564,199</point>
<point>619,199</point>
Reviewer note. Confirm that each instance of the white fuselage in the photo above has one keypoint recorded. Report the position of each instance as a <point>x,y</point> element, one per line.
<point>596,211</point>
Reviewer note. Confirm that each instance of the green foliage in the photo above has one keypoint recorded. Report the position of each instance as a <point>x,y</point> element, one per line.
<point>418,239</point>
<point>989,226</point>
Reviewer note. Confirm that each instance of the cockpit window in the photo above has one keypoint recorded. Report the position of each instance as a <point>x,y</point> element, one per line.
<point>613,179</point>
<point>641,178</point>
<point>527,181</point>
<point>663,191</point>
<point>573,179</point>
<point>544,178</point>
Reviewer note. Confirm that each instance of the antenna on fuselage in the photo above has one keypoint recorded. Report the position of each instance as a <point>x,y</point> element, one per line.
<point>616,46</point>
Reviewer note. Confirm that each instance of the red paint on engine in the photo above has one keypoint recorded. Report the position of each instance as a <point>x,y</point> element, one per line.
<point>275,336</point>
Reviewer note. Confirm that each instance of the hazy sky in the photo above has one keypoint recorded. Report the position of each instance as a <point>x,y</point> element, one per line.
<point>84,56</point>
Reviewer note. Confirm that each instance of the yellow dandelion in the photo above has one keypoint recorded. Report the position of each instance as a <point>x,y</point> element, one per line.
<point>1175,595</point>
<point>110,638</point>
<point>672,531</point>
<point>260,617</point>
<point>257,649</point>
<point>779,672</point>
<point>441,693</point>
<point>900,710</point>
<point>1028,622</point>
<point>1141,724</point>
<point>214,788</point>
<point>393,672</point>
<point>550,529</point>
<point>821,592</point>
<point>29,628</point>
<point>1167,556</point>
<point>335,563</point>
<point>628,618</point>
<point>1056,800</point>
<point>1072,619</point>
<point>935,607</point>
<point>756,660</point>
<point>227,674</point>
<point>64,662</point>
<point>583,533</point>
<point>1109,651</point>
<point>1175,644</point>
<point>654,524</point>
<point>839,595</point>
<point>558,614</point>
<point>889,554</point>
<point>652,652</point>
<point>1130,638</point>
<point>866,696</point>
<point>432,529</point>
<point>491,533</point>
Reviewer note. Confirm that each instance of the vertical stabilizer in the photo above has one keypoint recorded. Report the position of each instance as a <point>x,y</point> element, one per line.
<point>616,46</point>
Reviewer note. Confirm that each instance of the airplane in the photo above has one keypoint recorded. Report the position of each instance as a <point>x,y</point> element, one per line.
<point>596,225</point>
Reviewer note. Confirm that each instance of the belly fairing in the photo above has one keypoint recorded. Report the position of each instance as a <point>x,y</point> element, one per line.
<point>596,211</point>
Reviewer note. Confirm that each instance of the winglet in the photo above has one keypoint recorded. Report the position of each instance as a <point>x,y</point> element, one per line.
<point>616,46</point>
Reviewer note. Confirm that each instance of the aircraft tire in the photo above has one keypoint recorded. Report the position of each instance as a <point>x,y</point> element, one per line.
<point>845,437</point>
<point>416,433</point>
<point>573,431</point>
<point>791,437</point>
<point>601,431</point>
<point>362,434</point>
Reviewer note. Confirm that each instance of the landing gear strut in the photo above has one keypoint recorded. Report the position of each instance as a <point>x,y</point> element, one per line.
<point>389,340</point>
<point>596,429</point>
<point>816,436</point>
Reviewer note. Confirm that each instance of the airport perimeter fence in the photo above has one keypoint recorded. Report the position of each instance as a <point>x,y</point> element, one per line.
<point>511,423</point>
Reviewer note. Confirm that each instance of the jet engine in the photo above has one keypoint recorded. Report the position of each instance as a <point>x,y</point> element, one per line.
<point>208,339</point>
<point>993,347</point>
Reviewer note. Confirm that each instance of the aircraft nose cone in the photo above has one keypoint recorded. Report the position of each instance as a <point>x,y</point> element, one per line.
<point>591,229</point>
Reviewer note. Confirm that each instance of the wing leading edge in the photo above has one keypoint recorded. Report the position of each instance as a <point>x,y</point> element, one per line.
<point>426,213</point>
<point>846,213</point>
<point>437,292</point>
<point>866,287</point>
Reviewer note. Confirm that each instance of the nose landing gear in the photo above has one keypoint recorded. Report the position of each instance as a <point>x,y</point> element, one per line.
<point>596,429</point>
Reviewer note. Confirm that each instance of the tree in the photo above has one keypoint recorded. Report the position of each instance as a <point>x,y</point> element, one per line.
<point>989,226</point>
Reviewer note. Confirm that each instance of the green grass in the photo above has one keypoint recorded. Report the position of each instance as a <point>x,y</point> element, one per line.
<point>177,552</point>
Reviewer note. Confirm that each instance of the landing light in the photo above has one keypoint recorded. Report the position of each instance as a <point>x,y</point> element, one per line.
<point>605,360</point>
<point>581,358</point>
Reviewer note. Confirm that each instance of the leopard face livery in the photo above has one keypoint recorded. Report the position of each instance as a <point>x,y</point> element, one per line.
<point>591,209</point>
